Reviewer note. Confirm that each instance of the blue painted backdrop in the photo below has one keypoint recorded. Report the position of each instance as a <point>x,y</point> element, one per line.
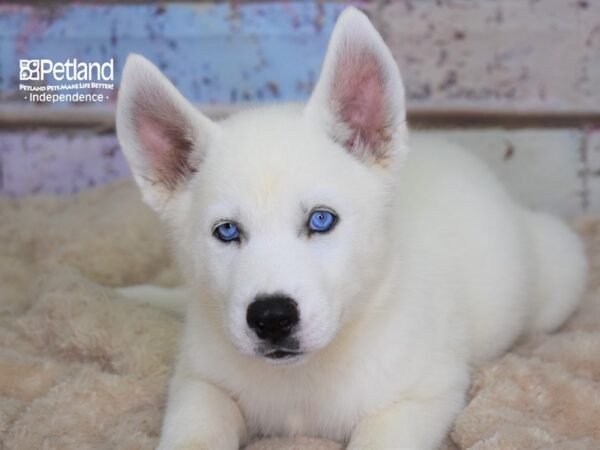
<point>213,53</point>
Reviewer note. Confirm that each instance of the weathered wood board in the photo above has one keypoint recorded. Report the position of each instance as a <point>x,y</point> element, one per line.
<point>509,55</point>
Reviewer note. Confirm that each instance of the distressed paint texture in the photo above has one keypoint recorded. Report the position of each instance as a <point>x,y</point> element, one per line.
<point>214,53</point>
<point>555,170</point>
<point>591,170</point>
<point>515,54</point>
<point>524,54</point>
<point>62,163</point>
<point>521,54</point>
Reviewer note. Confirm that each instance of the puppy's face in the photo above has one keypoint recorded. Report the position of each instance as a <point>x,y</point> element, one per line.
<point>280,215</point>
<point>288,231</point>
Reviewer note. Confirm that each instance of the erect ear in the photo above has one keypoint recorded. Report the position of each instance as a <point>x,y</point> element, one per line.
<point>162,135</point>
<point>359,97</point>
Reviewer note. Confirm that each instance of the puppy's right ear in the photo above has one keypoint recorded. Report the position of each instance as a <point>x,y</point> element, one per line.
<point>162,135</point>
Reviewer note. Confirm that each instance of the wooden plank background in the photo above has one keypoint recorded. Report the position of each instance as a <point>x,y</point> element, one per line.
<point>522,75</point>
<point>495,57</point>
<point>521,55</point>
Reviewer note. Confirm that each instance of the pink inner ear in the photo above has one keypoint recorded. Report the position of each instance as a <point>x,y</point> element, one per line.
<point>358,91</point>
<point>163,137</point>
<point>154,141</point>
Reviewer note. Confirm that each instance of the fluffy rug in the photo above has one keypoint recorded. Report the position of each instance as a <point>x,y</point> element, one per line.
<point>80,369</point>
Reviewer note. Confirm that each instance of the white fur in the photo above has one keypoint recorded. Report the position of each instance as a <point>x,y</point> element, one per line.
<point>432,267</point>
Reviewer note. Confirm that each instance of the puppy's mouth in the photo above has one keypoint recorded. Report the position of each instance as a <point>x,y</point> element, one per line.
<point>282,354</point>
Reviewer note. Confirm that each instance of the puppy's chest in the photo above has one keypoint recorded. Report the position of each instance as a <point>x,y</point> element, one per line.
<point>326,405</point>
<point>295,409</point>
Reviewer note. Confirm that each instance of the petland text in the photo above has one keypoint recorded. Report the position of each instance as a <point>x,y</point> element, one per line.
<point>70,70</point>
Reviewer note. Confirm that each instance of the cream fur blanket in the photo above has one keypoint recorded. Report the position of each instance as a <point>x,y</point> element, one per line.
<point>80,369</point>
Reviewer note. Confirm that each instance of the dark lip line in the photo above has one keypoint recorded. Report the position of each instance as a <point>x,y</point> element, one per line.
<point>288,353</point>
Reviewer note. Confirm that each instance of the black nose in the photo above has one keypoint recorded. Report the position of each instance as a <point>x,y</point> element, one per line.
<point>272,317</point>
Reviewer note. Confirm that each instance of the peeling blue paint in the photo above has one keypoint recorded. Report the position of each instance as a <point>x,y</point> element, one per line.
<point>213,53</point>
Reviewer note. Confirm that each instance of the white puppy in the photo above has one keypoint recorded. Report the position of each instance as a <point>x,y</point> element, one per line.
<point>342,278</point>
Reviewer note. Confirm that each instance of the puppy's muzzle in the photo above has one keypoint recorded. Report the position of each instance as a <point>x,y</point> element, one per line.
<point>273,318</point>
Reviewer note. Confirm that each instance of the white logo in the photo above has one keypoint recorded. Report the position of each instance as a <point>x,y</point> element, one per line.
<point>70,70</point>
<point>71,75</point>
<point>29,69</point>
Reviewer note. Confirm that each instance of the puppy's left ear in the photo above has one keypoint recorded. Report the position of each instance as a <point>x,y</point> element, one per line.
<point>359,97</point>
<point>163,136</point>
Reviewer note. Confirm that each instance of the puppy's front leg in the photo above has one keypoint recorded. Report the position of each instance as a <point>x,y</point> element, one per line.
<point>200,416</point>
<point>413,424</point>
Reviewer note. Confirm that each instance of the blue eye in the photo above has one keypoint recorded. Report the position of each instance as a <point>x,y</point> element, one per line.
<point>227,232</point>
<point>321,221</point>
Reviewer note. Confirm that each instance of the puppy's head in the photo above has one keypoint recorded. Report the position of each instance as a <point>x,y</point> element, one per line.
<point>280,214</point>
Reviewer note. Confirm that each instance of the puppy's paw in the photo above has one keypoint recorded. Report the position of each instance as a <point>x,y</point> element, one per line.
<point>199,443</point>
